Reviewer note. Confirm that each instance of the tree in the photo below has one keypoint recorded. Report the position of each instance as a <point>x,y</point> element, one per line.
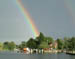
<point>11,46</point>
<point>71,45</point>
<point>5,45</point>
<point>40,38</point>
<point>49,40</point>
<point>1,46</point>
<point>66,43</point>
<point>32,43</point>
<point>60,43</point>
<point>43,45</point>
<point>22,45</point>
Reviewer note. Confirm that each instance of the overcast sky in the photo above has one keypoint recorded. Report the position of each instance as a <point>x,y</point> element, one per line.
<point>55,18</point>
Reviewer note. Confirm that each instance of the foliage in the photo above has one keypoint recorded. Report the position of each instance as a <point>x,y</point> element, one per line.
<point>31,43</point>
<point>9,45</point>
<point>60,43</point>
<point>22,45</point>
<point>1,46</point>
<point>66,43</point>
<point>43,45</point>
<point>40,38</point>
<point>5,45</point>
<point>49,40</point>
<point>71,43</point>
<point>41,42</point>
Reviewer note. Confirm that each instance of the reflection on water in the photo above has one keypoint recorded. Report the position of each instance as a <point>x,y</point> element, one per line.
<point>13,55</point>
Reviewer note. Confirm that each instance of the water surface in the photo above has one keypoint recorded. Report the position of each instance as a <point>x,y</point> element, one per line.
<point>12,55</point>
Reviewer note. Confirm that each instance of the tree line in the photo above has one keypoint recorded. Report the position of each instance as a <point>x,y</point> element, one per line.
<point>41,42</point>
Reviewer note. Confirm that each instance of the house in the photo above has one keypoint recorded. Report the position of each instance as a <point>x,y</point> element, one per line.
<point>53,45</point>
<point>50,46</point>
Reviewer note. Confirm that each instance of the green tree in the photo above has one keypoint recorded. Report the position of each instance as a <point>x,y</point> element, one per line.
<point>1,46</point>
<point>66,43</point>
<point>22,45</point>
<point>11,46</point>
<point>43,45</point>
<point>40,38</point>
<point>49,40</point>
<point>5,45</point>
<point>71,45</point>
<point>60,43</point>
<point>31,43</point>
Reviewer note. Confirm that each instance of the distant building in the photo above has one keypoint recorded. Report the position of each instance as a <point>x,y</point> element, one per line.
<point>50,46</point>
<point>53,45</point>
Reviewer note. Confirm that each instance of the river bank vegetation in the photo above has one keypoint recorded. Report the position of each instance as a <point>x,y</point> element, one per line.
<point>41,42</point>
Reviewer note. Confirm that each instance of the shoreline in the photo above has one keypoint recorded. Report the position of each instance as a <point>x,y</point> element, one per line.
<point>37,51</point>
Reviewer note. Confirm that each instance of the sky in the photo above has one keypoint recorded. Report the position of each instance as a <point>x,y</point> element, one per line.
<point>55,18</point>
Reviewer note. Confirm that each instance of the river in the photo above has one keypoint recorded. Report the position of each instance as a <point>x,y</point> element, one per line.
<point>10,55</point>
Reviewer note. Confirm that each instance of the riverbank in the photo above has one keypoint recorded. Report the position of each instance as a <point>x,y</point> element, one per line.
<point>40,51</point>
<point>70,52</point>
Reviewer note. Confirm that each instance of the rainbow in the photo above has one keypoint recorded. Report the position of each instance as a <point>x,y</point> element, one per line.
<point>70,8</point>
<point>28,18</point>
